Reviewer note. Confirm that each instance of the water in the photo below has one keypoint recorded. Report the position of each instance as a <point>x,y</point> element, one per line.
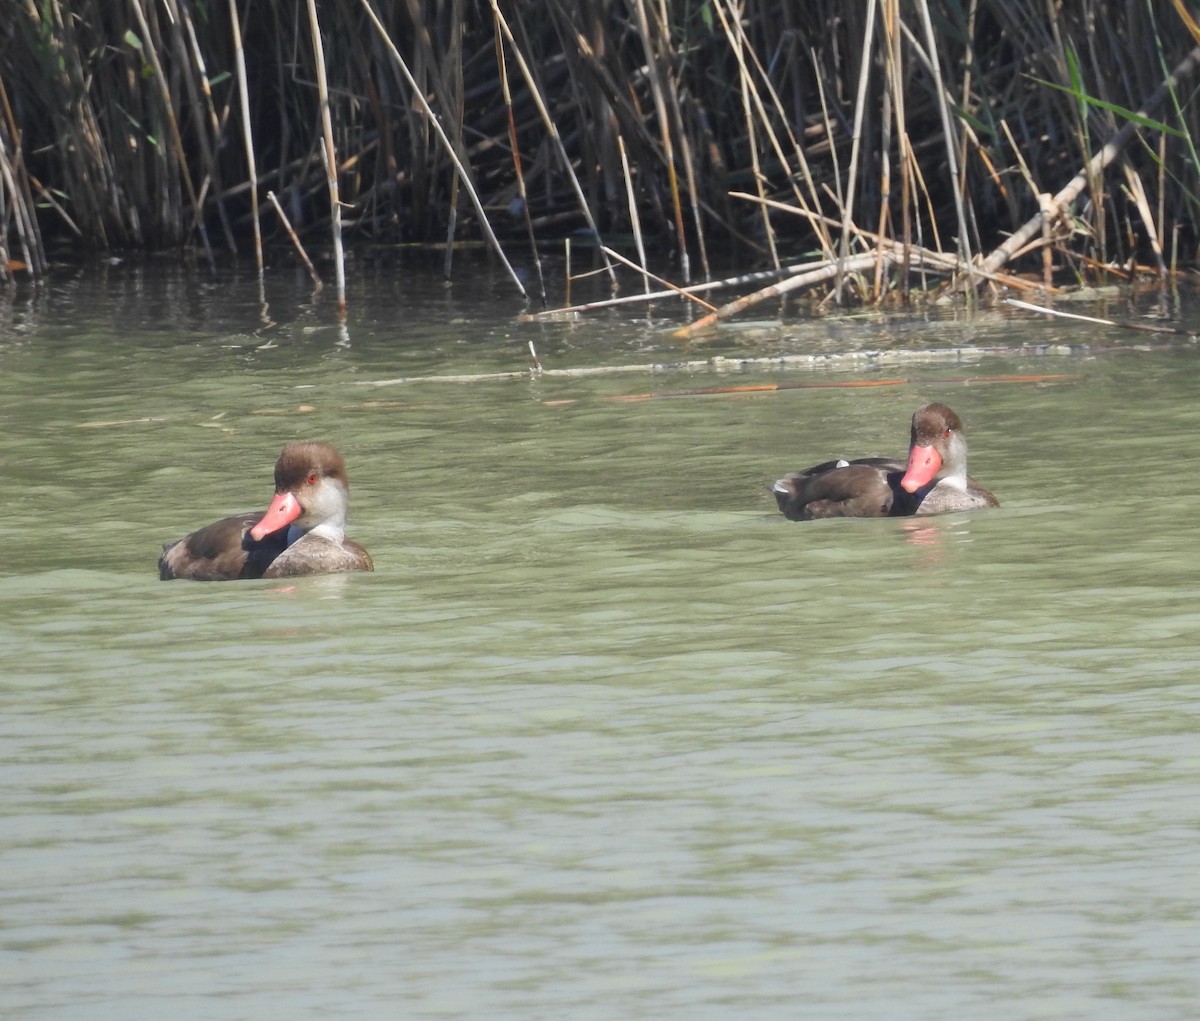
<point>604,736</point>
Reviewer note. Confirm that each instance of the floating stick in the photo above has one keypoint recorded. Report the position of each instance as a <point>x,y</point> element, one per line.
<point>857,384</point>
<point>1174,331</point>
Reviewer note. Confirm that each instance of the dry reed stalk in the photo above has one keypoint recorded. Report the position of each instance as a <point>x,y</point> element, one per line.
<point>731,23</point>
<point>551,128</point>
<point>658,80</point>
<point>16,197</point>
<point>243,91</point>
<point>894,86</point>
<point>927,258</point>
<point>750,108</point>
<point>883,217</point>
<point>935,67</point>
<point>741,280</point>
<point>329,156</point>
<point>207,113</point>
<point>685,147</point>
<point>1065,198</point>
<point>1174,331</point>
<point>1138,191</point>
<point>179,169</point>
<point>855,145</point>
<point>455,88</point>
<point>287,226</point>
<point>433,122</point>
<point>634,222</point>
<point>839,362</point>
<point>827,126</point>
<point>96,86</point>
<point>11,206</point>
<point>515,144</point>
<point>566,271</point>
<point>683,292</point>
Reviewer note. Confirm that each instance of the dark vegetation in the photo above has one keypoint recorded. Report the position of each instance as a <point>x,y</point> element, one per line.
<point>882,145</point>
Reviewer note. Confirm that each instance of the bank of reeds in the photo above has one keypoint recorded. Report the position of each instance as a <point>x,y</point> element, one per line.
<point>883,145</point>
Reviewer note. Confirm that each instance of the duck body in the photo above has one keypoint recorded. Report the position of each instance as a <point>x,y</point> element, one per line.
<point>933,480</point>
<point>302,532</point>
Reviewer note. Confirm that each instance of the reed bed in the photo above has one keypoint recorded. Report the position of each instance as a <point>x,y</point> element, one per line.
<point>863,151</point>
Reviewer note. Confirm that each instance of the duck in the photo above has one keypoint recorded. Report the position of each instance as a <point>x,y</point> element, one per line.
<point>933,480</point>
<point>303,531</point>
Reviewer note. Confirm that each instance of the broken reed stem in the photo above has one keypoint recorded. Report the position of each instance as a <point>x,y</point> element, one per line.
<point>683,292</point>
<point>1065,198</point>
<point>926,257</point>
<point>830,271</point>
<point>1138,192</point>
<point>329,156</point>
<point>673,291</point>
<point>287,226</point>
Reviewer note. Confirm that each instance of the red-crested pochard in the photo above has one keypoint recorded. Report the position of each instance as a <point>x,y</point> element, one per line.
<point>302,532</point>
<point>934,479</point>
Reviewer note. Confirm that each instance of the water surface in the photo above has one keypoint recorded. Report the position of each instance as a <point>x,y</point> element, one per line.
<point>604,736</point>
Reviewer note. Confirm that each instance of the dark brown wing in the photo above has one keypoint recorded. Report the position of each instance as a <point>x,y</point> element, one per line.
<point>866,488</point>
<point>221,551</point>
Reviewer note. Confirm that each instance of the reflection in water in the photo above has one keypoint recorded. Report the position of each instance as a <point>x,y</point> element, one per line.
<point>924,533</point>
<point>603,736</point>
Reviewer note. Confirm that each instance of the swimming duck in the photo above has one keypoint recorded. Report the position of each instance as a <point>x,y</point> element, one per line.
<point>303,531</point>
<point>933,480</point>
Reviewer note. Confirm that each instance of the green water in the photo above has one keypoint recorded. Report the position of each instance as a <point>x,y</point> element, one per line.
<point>604,736</point>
